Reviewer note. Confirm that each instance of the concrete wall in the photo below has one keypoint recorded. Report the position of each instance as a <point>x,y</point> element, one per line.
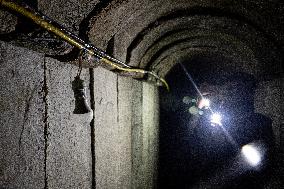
<point>126,131</point>
<point>68,136</point>
<point>43,144</point>
<point>126,128</point>
<point>22,118</point>
<point>269,102</point>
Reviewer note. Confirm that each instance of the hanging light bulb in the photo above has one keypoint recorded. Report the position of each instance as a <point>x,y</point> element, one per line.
<point>79,89</point>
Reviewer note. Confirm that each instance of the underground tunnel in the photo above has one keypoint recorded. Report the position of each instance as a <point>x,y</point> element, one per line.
<point>177,94</point>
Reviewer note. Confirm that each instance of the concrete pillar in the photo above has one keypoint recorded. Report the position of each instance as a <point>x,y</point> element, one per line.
<point>126,131</point>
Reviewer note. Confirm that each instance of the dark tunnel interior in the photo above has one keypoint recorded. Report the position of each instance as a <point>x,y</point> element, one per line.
<point>195,154</point>
<point>219,124</point>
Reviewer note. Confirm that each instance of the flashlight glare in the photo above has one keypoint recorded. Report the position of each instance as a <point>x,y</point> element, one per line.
<point>204,103</point>
<point>251,154</point>
<point>216,119</point>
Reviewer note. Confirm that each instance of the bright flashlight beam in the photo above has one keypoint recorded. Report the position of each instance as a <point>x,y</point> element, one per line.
<point>251,154</point>
<point>191,80</point>
<point>216,119</point>
<point>204,103</point>
<point>193,83</point>
<point>229,137</point>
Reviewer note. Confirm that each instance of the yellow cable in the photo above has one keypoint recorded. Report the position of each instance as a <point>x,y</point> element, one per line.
<point>137,71</point>
<point>41,22</point>
<point>165,83</point>
<point>79,44</point>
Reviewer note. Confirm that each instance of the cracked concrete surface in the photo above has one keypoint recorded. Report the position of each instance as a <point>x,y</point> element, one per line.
<point>21,118</point>
<point>43,145</point>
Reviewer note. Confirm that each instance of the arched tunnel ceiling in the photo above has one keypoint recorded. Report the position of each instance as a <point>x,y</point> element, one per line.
<point>158,34</point>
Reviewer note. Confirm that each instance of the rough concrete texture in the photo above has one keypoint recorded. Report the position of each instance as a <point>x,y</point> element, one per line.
<point>267,101</point>
<point>131,21</point>
<point>69,13</point>
<point>142,112</point>
<point>127,99</point>
<point>69,158</point>
<point>7,22</point>
<point>150,135</point>
<point>43,144</point>
<point>22,158</point>
<point>67,148</point>
<point>126,127</point>
<point>106,129</point>
<point>112,132</point>
<point>125,131</point>
<point>241,35</point>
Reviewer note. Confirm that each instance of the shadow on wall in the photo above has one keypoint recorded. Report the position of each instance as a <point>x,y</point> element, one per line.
<point>195,154</point>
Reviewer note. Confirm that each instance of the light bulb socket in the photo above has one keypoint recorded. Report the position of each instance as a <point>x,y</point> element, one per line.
<point>79,89</point>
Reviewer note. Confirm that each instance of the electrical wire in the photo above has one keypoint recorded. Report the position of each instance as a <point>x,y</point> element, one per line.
<point>137,71</point>
<point>55,28</point>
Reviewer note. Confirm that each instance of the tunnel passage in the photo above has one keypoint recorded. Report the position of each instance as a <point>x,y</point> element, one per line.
<point>227,57</point>
<point>245,39</point>
<point>193,152</point>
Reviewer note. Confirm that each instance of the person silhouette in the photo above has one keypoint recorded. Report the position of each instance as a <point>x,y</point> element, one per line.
<point>231,95</point>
